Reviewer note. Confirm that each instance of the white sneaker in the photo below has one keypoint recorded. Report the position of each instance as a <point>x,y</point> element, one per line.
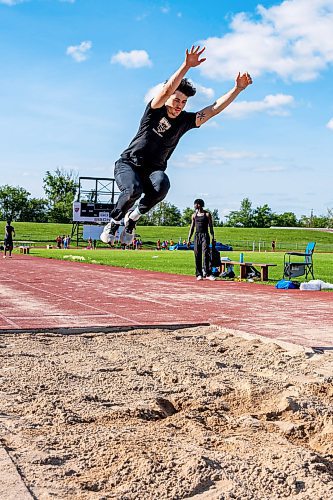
<point>107,238</point>
<point>199,278</point>
<point>211,278</point>
<point>109,233</point>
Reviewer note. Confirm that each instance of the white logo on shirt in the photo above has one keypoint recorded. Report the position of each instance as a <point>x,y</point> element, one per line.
<point>162,127</point>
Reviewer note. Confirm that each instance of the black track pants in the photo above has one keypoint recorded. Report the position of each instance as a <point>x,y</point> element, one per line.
<point>133,182</point>
<point>201,249</point>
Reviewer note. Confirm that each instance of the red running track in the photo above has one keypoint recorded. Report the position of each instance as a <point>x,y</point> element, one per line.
<point>43,294</point>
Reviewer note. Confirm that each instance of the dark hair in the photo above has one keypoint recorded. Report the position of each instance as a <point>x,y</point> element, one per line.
<point>187,87</point>
<point>200,202</point>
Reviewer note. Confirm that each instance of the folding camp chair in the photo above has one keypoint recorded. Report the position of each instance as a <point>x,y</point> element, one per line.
<point>296,267</point>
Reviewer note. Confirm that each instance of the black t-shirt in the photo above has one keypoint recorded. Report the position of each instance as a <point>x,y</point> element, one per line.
<point>157,137</point>
<point>9,232</point>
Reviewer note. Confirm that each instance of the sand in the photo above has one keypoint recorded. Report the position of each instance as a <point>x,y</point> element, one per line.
<point>167,414</point>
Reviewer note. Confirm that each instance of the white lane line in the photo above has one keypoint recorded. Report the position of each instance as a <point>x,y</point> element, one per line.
<point>84,304</point>
<point>9,321</point>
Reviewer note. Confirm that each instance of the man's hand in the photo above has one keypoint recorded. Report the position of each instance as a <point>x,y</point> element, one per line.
<point>242,81</point>
<point>192,58</point>
<point>188,244</point>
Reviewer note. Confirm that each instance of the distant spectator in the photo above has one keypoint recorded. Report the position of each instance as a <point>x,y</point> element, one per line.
<point>202,224</point>
<point>273,246</point>
<point>59,241</point>
<point>158,244</point>
<point>90,243</point>
<point>8,241</point>
<point>94,244</point>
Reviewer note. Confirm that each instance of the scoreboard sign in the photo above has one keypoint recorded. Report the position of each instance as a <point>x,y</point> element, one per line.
<point>91,212</point>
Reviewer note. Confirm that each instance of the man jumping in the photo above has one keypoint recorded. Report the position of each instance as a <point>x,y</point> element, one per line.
<point>140,171</point>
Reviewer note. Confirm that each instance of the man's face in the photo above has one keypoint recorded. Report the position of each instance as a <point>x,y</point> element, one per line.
<point>176,103</point>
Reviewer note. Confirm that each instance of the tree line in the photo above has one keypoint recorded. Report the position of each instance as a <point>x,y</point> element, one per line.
<point>60,189</point>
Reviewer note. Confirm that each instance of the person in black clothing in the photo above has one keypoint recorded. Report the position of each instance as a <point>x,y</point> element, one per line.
<point>201,222</point>
<point>8,241</point>
<point>141,167</point>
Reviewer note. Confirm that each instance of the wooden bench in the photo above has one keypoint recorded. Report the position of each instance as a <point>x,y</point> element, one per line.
<point>24,249</point>
<point>245,268</point>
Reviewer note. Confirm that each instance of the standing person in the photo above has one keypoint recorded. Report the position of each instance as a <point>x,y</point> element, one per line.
<point>273,246</point>
<point>8,241</point>
<point>141,167</point>
<point>59,241</point>
<point>201,222</point>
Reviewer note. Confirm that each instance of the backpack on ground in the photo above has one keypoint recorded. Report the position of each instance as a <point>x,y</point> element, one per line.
<point>215,257</point>
<point>286,284</point>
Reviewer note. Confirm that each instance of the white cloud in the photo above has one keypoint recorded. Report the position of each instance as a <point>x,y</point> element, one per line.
<point>132,59</point>
<point>271,104</point>
<point>293,40</point>
<point>270,169</point>
<point>67,1</point>
<point>152,92</point>
<point>330,124</point>
<point>213,156</point>
<point>11,2</point>
<point>165,10</point>
<point>205,92</point>
<point>79,52</point>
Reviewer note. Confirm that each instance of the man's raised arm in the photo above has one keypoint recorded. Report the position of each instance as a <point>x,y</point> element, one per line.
<point>192,59</point>
<point>241,82</point>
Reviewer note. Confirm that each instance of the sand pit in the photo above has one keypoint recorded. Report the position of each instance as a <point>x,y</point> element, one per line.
<point>166,414</point>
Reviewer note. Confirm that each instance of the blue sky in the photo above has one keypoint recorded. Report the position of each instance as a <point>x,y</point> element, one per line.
<point>76,74</point>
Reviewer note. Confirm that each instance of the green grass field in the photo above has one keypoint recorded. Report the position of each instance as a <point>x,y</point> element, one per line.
<point>182,262</point>
<point>242,239</point>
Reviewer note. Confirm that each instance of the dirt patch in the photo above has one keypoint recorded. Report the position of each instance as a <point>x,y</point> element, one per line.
<point>166,414</point>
